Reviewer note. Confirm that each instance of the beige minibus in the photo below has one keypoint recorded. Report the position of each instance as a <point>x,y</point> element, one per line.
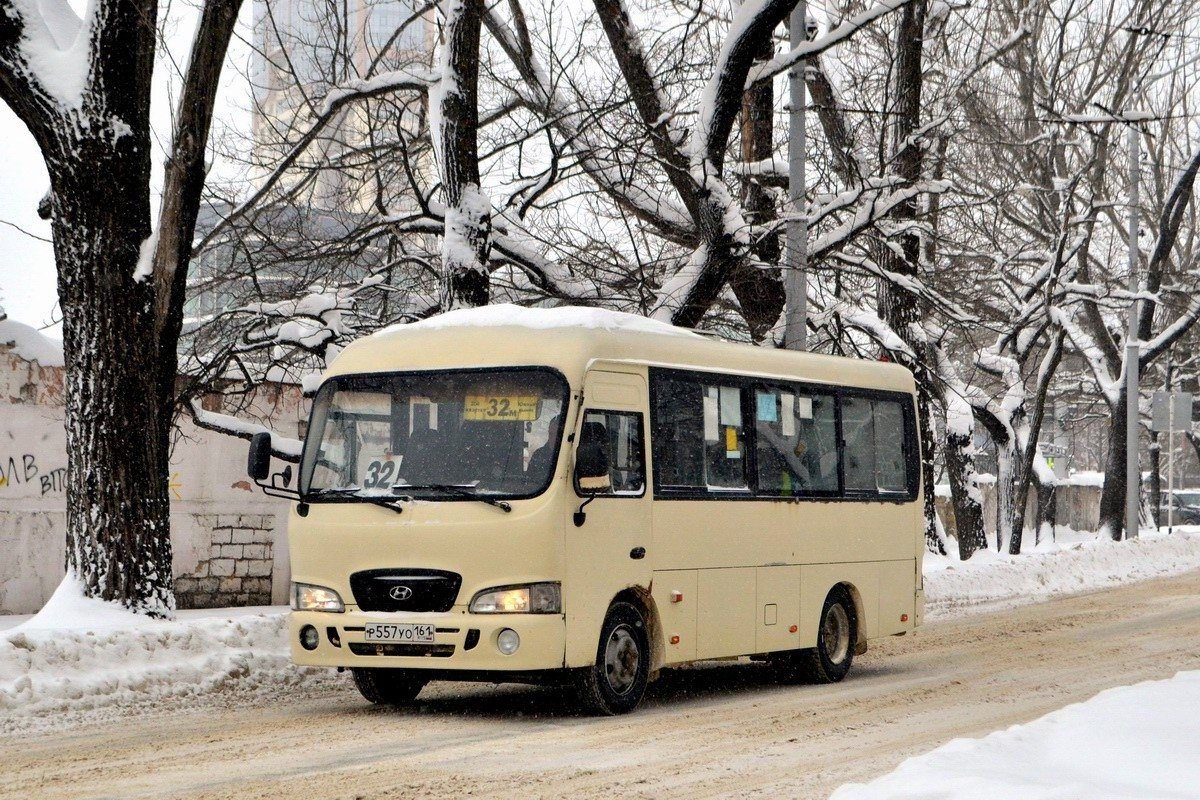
<point>586,497</point>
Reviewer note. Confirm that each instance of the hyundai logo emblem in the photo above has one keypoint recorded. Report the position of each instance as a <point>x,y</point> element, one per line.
<point>400,593</point>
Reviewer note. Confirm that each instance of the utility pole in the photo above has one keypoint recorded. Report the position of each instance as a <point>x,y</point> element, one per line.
<point>1132,349</point>
<point>795,261</point>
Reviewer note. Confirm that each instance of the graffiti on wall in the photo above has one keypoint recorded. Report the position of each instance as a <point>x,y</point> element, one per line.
<point>24,469</point>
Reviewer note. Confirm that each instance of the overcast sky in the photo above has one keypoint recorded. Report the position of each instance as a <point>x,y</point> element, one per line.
<point>27,275</point>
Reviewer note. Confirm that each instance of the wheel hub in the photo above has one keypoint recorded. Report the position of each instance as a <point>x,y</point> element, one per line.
<point>835,631</point>
<point>621,659</point>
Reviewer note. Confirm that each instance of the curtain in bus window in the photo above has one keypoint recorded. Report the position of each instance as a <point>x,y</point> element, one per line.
<point>359,442</point>
<point>796,435</point>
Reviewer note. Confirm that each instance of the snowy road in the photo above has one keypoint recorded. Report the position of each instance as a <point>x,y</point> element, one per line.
<point>716,731</point>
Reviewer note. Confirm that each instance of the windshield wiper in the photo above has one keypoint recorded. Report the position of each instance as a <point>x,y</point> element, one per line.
<point>383,502</point>
<point>461,491</point>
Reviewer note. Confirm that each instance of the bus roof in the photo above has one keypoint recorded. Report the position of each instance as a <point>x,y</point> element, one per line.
<point>570,339</point>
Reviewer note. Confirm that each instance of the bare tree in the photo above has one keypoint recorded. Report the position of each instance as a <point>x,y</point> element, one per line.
<point>82,87</point>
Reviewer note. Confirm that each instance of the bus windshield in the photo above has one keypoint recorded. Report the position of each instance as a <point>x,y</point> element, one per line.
<point>442,435</point>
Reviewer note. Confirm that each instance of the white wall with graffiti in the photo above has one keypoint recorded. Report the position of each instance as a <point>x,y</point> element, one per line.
<point>230,541</point>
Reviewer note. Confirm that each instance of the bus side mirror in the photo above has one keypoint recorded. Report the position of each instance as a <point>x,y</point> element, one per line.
<point>258,464</point>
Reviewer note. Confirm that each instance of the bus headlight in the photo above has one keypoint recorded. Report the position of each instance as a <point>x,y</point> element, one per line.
<point>306,597</point>
<point>532,598</point>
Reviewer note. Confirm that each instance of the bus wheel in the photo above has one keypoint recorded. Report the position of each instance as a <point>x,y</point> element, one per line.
<point>830,660</point>
<point>617,681</point>
<point>388,687</point>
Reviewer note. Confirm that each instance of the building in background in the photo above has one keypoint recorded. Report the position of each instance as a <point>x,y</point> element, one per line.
<point>303,48</point>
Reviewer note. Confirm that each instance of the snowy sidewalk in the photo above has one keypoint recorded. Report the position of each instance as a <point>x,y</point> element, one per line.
<point>1076,563</point>
<point>1133,743</point>
<point>81,656</point>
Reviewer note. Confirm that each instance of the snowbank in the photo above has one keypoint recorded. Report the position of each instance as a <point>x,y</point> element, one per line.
<point>1131,742</point>
<point>68,609</point>
<point>1075,563</point>
<point>79,656</point>
<point>508,315</point>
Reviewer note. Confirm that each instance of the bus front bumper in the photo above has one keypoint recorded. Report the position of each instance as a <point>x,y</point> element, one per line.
<point>462,642</point>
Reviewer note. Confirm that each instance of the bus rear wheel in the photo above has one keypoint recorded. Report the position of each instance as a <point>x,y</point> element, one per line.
<point>388,687</point>
<point>837,635</point>
<point>616,682</point>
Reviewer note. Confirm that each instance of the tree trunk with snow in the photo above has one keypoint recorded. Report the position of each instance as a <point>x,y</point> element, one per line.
<point>759,293</point>
<point>965,492</point>
<point>82,87</point>
<point>118,524</point>
<point>898,306</point>
<point>1047,509</point>
<point>466,243</point>
<point>95,137</point>
<point>183,184</point>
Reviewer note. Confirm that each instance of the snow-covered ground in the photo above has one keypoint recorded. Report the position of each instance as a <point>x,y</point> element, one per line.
<point>1133,742</point>
<point>82,658</point>
<point>1073,563</point>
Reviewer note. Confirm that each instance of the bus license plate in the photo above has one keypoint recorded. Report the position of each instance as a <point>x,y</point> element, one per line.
<point>401,633</point>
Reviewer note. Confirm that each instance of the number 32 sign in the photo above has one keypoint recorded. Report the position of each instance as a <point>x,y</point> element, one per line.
<point>498,408</point>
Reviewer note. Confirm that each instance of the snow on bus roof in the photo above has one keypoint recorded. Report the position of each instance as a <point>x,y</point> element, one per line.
<point>508,315</point>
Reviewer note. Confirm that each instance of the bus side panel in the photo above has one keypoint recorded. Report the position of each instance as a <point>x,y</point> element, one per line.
<point>677,618</point>
<point>725,616</point>
<point>897,593</point>
<point>778,609</point>
<point>815,582</point>
<point>702,534</point>
<point>869,530</point>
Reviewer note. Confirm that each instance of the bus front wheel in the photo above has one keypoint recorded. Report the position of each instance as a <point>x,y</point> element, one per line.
<point>616,682</point>
<point>388,687</point>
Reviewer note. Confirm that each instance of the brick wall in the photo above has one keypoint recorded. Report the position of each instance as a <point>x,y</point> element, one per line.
<point>236,570</point>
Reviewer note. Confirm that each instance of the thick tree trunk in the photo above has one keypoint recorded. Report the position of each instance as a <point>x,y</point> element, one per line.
<point>118,524</point>
<point>183,184</point>
<point>968,501</point>
<point>1112,497</point>
<point>1047,510</point>
<point>898,306</point>
<point>1005,501</point>
<point>759,292</point>
<point>466,242</point>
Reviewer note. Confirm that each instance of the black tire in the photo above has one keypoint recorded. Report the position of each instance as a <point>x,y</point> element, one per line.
<point>616,682</point>
<point>837,635</point>
<point>388,687</point>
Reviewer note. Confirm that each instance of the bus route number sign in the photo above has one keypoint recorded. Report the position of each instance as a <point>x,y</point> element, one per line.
<point>500,408</point>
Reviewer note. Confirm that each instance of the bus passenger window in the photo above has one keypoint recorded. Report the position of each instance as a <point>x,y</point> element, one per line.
<point>890,472</point>
<point>698,435</point>
<point>873,431</point>
<point>626,461</point>
<point>796,436</point>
